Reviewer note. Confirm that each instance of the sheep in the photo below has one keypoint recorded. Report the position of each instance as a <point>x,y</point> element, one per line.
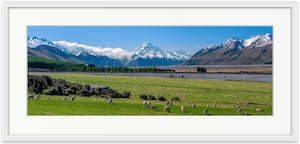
<point>182,108</point>
<point>153,107</point>
<point>259,109</point>
<point>166,108</point>
<point>239,110</point>
<point>73,98</point>
<point>148,103</point>
<point>65,98</point>
<point>215,105</point>
<point>193,106</point>
<point>145,103</point>
<point>205,110</point>
<point>237,107</point>
<point>167,102</point>
<point>38,97</point>
<point>110,100</point>
<point>170,102</point>
<point>188,102</point>
<point>30,97</point>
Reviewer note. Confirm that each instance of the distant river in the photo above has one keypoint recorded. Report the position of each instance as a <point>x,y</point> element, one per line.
<point>239,77</point>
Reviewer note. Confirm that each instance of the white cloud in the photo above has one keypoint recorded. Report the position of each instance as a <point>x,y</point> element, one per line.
<point>76,48</point>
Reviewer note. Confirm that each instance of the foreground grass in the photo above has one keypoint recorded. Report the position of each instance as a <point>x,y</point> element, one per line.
<point>200,92</point>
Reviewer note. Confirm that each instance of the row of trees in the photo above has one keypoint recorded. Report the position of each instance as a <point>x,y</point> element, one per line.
<point>90,68</point>
<point>60,87</point>
<point>201,69</point>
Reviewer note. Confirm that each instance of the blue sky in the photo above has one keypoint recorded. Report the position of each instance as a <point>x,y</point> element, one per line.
<point>187,38</point>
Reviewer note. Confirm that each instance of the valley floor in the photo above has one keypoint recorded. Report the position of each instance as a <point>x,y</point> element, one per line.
<point>254,98</point>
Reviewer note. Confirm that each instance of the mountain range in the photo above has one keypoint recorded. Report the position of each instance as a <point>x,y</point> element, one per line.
<point>254,50</point>
<point>145,55</point>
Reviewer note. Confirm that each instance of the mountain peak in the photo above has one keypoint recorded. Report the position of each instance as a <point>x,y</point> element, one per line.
<point>36,41</point>
<point>259,40</point>
<point>147,45</point>
<point>147,50</point>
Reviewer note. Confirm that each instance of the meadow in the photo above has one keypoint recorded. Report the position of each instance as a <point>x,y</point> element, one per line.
<point>203,93</point>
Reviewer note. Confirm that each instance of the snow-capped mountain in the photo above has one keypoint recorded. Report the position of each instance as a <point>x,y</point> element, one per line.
<point>33,42</point>
<point>258,40</point>
<point>84,52</point>
<point>254,50</point>
<point>150,55</point>
<point>147,50</point>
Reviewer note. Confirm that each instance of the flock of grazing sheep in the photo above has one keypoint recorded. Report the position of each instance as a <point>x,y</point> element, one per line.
<point>182,108</point>
<point>166,107</point>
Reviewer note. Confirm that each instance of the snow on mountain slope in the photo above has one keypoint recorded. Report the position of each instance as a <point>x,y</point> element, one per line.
<point>258,40</point>
<point>147,50</point>
<point>33,42</point>
<point>254,50</point>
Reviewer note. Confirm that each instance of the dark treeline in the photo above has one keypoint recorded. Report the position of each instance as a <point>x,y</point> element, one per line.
<point>90,68</point>
<point>60,87</point>
<point>201,69</point>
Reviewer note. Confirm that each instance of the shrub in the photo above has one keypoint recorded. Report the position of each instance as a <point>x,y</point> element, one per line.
<point>162,98</point>
<point>144,97</point>
<point>151,97</point>
<point>175,99</point>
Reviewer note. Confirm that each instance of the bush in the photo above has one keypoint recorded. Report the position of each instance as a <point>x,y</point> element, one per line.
<point>175,99</point>
<point>144,97</point>
<point>162,98</point>
<point>151,97</point>
<point>37,84</point>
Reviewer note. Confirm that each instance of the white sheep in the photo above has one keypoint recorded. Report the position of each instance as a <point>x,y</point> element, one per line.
<point>171,103</point>
<point>153,107</point>
<point>193,106</point>
<point>182,108</point>
<point>30,97</point>
<point>110,100</point>
<point>166,108</point>
<point>167,102</point>
<point>239,110</point>
<point>73,98</point>
<point>38,97</point>
<point>148,103</point>
<point>145,103</point>
<point>208,105</point>
<point>205,111</point>
<point>258,109</point>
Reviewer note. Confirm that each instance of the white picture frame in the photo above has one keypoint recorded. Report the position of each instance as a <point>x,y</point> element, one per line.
<point>8,137</point>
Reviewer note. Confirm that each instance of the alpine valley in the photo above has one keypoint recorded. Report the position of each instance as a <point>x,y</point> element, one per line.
<point>254,50</point>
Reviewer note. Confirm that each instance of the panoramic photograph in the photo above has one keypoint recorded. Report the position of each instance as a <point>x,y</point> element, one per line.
<point>150,70</point>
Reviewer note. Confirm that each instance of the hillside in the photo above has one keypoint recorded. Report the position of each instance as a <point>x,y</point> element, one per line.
<point>53,65</point>
<point>144,55</point>
<point>255,50</point>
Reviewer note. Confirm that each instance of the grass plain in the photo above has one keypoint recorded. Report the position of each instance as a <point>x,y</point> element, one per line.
<point>226,95</point>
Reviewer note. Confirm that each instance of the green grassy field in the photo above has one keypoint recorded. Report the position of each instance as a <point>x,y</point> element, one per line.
<point>225,94</point>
